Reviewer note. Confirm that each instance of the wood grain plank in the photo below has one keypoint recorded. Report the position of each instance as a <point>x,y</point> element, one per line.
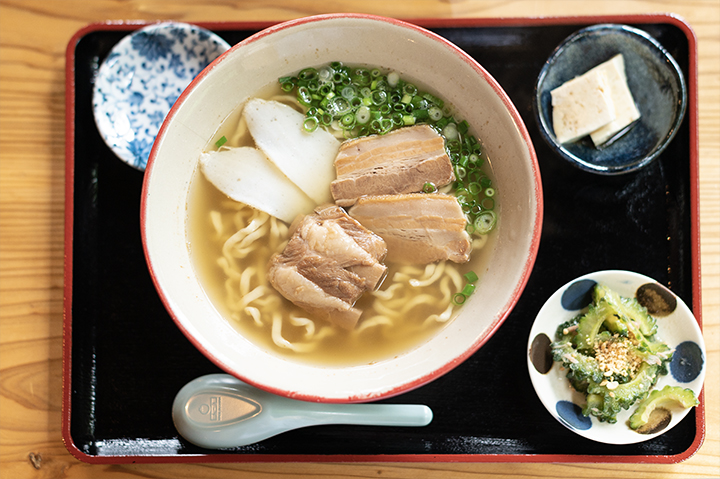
<point>33,38</point>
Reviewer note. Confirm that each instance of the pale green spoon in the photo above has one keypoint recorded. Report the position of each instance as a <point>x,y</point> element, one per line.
<point>218,411</point>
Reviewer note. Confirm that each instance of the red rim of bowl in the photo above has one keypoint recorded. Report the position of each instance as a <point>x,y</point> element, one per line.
<point>500,317</point>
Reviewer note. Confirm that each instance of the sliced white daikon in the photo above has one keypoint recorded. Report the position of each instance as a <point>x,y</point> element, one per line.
<point>246,175</point>
<point>307,159</point>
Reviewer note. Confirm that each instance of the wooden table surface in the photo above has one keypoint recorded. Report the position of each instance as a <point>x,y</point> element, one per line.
<point>33,38</point>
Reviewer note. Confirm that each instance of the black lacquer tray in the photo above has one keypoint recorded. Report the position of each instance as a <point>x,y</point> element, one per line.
<point>125,359</point>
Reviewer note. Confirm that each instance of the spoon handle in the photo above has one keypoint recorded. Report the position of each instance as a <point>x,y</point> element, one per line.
<point>370,414</point>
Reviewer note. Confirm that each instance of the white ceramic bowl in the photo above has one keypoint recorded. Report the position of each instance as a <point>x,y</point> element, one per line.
<point>287,48</point>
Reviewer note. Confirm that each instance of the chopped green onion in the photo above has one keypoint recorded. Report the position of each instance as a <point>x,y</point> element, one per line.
<point>361,76</point>
<point>347,121</point>
<point>221,141</point>
<point>487,203</point>
<point>434,113</point>
<point>420,114</point>
<point>471,276</point>
<point>304,96</point>
<point>468,289</point>
<point>463,127</point>
<point>362,115</point>
<point>349,92</point>
<point>287,86</point>
<point>325,74</point>
<point>410,89</point>
<point>441,123</point>
<point>459,299</point>
<point>474,188</point>
<point>325,89</point>
<point>308,74</point>
<point>485,222</point>
<point>429,188</point>
<point>489,192</point>
<point>419,103</point>
<point>326,119</point>
<point>393,78</point>
<point>310,124</point>
<point>338,106</point>
<point>450,132</point>
<point>434,100</point>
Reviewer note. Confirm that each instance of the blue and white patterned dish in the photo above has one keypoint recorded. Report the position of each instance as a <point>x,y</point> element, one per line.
<point>676,326</point>
<point>140,80</point>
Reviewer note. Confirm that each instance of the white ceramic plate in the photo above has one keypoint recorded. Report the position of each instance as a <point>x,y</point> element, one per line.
<point>140,80</point>
<point>679,329</point>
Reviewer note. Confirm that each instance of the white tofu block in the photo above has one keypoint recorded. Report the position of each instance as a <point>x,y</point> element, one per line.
<point>626,111</point>
<point>581,106</point>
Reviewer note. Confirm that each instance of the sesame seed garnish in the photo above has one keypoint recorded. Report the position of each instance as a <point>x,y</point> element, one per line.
<point>616,357</point>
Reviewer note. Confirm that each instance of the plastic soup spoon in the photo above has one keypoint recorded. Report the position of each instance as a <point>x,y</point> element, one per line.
<point>219,411</point>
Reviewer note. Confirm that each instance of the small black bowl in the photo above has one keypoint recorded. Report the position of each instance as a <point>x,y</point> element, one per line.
<point>655,80</point>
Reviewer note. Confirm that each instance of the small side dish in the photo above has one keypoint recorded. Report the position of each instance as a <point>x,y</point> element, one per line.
<point>140,80</point>
<point>616,357</point>
<point>613,356</point>
<point>639,92</point>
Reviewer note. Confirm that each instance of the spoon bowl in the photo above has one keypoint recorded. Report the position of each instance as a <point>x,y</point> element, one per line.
<point>218,411</point>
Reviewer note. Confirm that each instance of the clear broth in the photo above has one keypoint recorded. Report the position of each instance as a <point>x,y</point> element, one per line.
<point>341,348</point>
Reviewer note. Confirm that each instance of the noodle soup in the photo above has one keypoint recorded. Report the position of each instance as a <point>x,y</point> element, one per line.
<point>231,245</point>
<point>246,69</point>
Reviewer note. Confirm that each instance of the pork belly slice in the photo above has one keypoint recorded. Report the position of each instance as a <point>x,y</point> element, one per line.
<point>401,161</point>
<point>328,263</point>
<point>312,298</point>
<point>417,228</point>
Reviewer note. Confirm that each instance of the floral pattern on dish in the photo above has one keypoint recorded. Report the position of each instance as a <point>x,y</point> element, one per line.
<point>140,80</point>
